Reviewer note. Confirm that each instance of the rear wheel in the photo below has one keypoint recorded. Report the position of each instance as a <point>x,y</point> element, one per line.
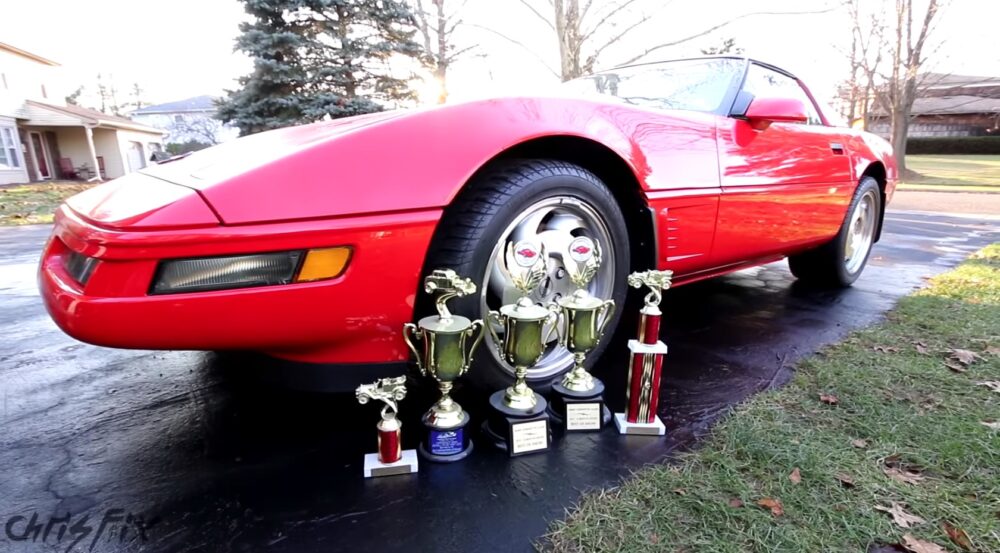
<point>839,262</point>
<point>547,201</point>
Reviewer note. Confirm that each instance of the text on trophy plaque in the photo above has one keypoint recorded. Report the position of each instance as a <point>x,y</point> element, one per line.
<point>583,416</point>
<point>529,436</point>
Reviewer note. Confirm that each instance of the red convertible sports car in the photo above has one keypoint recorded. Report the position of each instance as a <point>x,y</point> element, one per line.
<point>309,243</point>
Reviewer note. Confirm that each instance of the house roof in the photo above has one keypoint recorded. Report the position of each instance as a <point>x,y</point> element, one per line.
<point>198,103</point>
<point>26,54</point>
<point>945,80</point>
<point>954,105</point>
<point>38,113</point>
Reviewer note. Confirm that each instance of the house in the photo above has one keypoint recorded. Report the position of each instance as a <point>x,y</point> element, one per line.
<point>43,138</point>
<point>190,120</point>
<point>950,105</point>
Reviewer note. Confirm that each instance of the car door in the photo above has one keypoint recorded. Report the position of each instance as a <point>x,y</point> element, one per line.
<point>784,187</point>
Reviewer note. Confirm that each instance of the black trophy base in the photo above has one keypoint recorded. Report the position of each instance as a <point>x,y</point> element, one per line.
<point>445,445</point>
<point>518,431</point>
<point>580,411</point>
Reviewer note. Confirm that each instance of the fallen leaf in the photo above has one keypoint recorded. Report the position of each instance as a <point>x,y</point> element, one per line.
<point>921,348</point>
<point>964,356</point>
<point>957,535</point>
<point>901,517</point>
<point>736,503</point>
<point>829,399</point>
<point>654,539</point>
<point>991,425</point>
<point>991,384</point>
<point>777,509</point>
<point>795,476</point>
<point>919,546</point>
<point>859,443</point>
<point>680,491</point>
<point>992,350</point>
<point>955,367</point>
<point>903,476</point>
<point>885,349</point>
<point>845,480</point>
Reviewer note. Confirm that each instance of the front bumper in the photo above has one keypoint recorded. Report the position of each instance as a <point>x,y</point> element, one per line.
<point>355,318</point>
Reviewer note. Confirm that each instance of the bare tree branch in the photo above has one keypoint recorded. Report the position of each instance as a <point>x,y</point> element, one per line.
<point>527,4</point>
<point>611,14</point>
<point>518,43</point>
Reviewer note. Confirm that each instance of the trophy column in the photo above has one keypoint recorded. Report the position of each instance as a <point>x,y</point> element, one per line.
<point>391,458</point>
<point>645,361</point>
<point>578,401</point>
<point>445,358</point>
<point>518,421</point>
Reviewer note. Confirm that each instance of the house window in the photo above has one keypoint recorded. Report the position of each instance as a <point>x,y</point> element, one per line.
<point>8,149</point>
<point>44,93</point>
<point>178,119</point>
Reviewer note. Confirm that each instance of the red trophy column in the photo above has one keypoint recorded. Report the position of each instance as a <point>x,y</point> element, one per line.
<point>390,458</point>
<point>390,449</point>
<point>645,361</point>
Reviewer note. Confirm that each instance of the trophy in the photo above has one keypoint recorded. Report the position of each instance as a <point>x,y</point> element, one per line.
<point>444,356</point>
<point>646,361</point>
<point>518,421</point>
<point>579,399</point>
<point>391,458</point>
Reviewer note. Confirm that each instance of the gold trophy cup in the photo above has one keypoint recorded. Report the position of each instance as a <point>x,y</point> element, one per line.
<point>518,421</point>
<point>445,356</point>
<point>578,400</point>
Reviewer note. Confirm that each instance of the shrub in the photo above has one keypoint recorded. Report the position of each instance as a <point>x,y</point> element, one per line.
<point>954,145</point>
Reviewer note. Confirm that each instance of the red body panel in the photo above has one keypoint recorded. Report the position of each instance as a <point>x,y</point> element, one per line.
<point>379,184</point>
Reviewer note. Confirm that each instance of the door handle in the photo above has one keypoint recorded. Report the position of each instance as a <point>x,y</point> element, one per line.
<point>837,148</point>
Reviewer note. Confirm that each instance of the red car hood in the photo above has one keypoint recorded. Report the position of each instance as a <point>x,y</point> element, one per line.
<point>205,168</point>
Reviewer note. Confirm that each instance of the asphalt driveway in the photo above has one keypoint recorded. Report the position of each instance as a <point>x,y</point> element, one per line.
<point>184,451</point>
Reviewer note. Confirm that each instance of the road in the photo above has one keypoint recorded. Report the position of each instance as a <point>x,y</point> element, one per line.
<point>187,451</point>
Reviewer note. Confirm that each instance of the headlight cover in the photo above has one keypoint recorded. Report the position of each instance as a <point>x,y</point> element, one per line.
<point>220,273</point>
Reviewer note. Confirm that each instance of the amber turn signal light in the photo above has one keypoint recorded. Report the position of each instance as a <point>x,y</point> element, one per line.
<point>324,263</point>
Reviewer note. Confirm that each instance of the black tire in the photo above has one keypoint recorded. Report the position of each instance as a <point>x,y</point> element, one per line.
<point>826,266</point>
<point>478,217</point>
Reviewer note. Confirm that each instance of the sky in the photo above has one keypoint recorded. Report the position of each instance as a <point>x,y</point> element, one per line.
<point>183,48</point>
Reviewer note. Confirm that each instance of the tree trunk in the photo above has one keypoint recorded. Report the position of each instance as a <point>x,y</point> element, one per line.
<point>441,71</point>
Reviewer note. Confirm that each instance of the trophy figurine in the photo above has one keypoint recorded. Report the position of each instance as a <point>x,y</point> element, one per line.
<point>391,458</point>
<point>645,361</point>
<point>518,421</point>
<point>445,357</point>
<point>578,400</point>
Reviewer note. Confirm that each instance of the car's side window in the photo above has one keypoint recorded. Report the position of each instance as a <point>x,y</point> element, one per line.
<point>764,82</point>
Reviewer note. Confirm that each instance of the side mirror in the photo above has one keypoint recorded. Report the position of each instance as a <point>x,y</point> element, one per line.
<point>764,111</point>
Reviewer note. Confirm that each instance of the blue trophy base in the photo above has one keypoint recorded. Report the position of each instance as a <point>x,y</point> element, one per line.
<point>445,445</point>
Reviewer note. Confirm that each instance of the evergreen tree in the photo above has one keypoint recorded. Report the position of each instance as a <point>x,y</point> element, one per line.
<point>318,58</point>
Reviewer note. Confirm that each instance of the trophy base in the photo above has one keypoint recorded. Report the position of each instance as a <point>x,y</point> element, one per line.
<point>445,445</point>
<point>655,428</point>
<point>407,464</point>
<point>518,431</point>
<point>579,411</point>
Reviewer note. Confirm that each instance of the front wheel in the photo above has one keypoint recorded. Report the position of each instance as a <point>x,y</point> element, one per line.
<point>551,203</point>
<point>839,262</point>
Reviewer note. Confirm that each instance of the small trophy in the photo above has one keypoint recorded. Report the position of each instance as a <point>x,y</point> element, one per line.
<point>579,399</point>
<point>646,361</point>
<point>444,356</point>
<point>518,421</point>
<point>391,458</point>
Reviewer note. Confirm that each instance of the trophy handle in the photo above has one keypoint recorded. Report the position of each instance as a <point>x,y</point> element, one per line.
<point>608,312</point>
<point>491,318</point>
<point>552,319</point>
<point>554,308</point>
<point>409,336</point>
<point>478,333</point>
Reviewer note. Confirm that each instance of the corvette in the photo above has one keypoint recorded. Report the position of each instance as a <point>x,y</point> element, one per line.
<point>309,243</point>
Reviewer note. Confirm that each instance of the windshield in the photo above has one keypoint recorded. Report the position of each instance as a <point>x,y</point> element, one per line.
<point>695,85</point>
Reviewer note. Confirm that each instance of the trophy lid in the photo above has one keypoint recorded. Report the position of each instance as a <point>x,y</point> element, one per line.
<point>449,325</point>
<point>580,299</point>
<point>525,309</point>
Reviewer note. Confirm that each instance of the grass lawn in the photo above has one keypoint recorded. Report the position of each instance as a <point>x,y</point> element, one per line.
<point>903,416</point>
<point>29,204</point>
<point>978,170</point>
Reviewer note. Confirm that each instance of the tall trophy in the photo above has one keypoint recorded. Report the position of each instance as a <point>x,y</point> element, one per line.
<point>518,421</point>
<point>391,458</point>
<point>445,357</point>
<point>645,360</point>
<point>578,401</point>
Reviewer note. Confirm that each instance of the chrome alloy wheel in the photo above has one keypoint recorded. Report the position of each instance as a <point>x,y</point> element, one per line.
<point>552,222</point>
<point>860,232</point>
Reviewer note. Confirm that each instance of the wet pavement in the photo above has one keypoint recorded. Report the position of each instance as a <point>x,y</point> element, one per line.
<point>183,451</point>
